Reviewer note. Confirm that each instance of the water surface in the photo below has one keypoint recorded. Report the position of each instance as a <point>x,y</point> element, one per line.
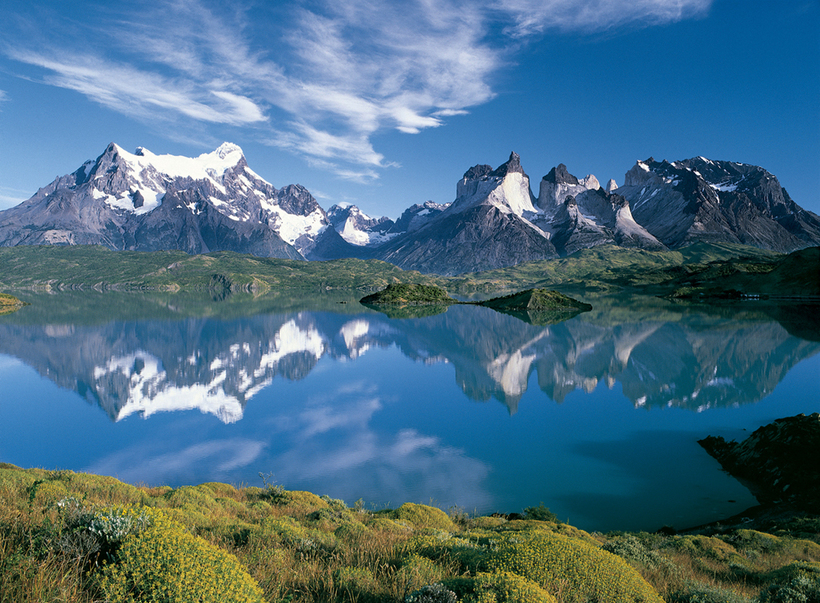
<point>597,416</point>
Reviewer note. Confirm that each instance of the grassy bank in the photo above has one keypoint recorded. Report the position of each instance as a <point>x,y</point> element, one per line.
<point>68,536</point>
<point>700,271</point>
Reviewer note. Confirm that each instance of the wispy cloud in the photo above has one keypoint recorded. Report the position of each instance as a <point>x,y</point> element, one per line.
<point>531,17</point>
<point>322,78</point>
<point>9,197</point>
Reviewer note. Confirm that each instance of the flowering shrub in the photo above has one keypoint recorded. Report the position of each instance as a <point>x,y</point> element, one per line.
<point>560,563</point>
<point>498,587</point>
<point>417,571</point>
<point>165,563</point>
<point>432,593</point>
<point>423,516</point>
<point>113,525</point>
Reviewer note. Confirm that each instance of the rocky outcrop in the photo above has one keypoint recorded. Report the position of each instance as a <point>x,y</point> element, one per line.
<point>778,462</point>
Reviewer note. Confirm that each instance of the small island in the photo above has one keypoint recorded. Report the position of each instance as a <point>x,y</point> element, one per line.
<point>535,306</point>
<point>413,294</point>
<point>9,303</point>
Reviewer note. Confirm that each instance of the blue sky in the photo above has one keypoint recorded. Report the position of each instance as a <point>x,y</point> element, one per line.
<point>385,104</point>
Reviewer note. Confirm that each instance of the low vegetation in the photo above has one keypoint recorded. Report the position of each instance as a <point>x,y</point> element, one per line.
<point>75,537</point>
<point>411,294</point>
<point>9,303</point>
<point>700,271</point>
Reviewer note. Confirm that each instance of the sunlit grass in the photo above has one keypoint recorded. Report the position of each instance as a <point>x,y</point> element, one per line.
<point>75,537</point>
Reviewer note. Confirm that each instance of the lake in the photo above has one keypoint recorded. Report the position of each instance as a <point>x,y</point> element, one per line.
<point>597,417</point>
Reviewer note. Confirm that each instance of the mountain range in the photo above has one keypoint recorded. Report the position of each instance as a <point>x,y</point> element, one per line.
<point>215,202</point>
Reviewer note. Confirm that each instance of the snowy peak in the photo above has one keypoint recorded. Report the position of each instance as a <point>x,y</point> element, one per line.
<point>558,185</point>
<point>507,188</point>
<point>357,228</point>
<point>415,217</point>
<point>701,199</point>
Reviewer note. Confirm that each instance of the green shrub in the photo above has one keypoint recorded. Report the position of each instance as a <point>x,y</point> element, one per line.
<point>417,571</point>
<point>383,524</point>
<point>801,589</point>
<point>498,587</point>
<point>798,582</point>
<point>165,563</point>
<point>540,513</point>
<point>423,516</point>
<point>632,549</point>
<point>569,565</point>
<point>357,583</point>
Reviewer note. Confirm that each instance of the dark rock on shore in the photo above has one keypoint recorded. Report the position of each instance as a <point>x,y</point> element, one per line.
<point>778,462</point>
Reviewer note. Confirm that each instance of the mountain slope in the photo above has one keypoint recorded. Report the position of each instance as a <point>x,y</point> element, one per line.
<point>485,227</point>
<point>143,201</point>
<point>717,201</point>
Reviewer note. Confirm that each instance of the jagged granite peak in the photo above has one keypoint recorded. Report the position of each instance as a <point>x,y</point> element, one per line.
<point>478,172</point>
<point>559,184</point>
<point>512,166</point>
<point>416,216</point>
<point>507,187</point>
<point>560,175</point>
<point>357,228</point>
<point>611,186</point>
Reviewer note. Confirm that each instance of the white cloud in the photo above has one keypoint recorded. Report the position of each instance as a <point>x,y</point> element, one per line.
<point>320,78</point>
<point>531,17</point>
<point>9,197</point>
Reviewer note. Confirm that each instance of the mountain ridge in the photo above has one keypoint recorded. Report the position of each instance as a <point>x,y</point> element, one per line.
<point>146,202</point>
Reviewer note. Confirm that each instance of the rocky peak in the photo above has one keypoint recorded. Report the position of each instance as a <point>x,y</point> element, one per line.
<point>513,165</point>
<point>560,175</point>
<point>640,173</point>
<point>611,186</point>
<point>477,172</point>
<point>296,199</point>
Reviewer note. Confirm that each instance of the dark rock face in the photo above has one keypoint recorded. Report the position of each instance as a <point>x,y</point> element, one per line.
<point>560,175</point>
<point>480,238</point>
<point>717,201</point>
<point>418,215</point>
<point>512,166</point>
<point>778,461</point>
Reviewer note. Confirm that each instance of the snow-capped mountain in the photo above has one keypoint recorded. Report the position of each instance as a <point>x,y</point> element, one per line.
<point>717,201</point>
<point>496,221</point>
<point>487,226</point>
<point>357,228</point>
<point>143,201</point>
<point>146,202</point>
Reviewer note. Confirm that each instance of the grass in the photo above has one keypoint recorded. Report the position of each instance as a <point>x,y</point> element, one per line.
<point>692,271</point>
<point>76,537</point>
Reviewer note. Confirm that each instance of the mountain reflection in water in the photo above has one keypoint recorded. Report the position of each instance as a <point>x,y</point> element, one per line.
<point>694,362</point>
<point>597,419</point>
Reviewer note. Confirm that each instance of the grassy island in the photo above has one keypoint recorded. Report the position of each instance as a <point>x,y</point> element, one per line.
<point>9,303</point>
<point>76,537</point>
<point>411,294</point>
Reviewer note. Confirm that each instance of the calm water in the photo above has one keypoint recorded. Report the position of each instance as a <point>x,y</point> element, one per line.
<point>597,417</point>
